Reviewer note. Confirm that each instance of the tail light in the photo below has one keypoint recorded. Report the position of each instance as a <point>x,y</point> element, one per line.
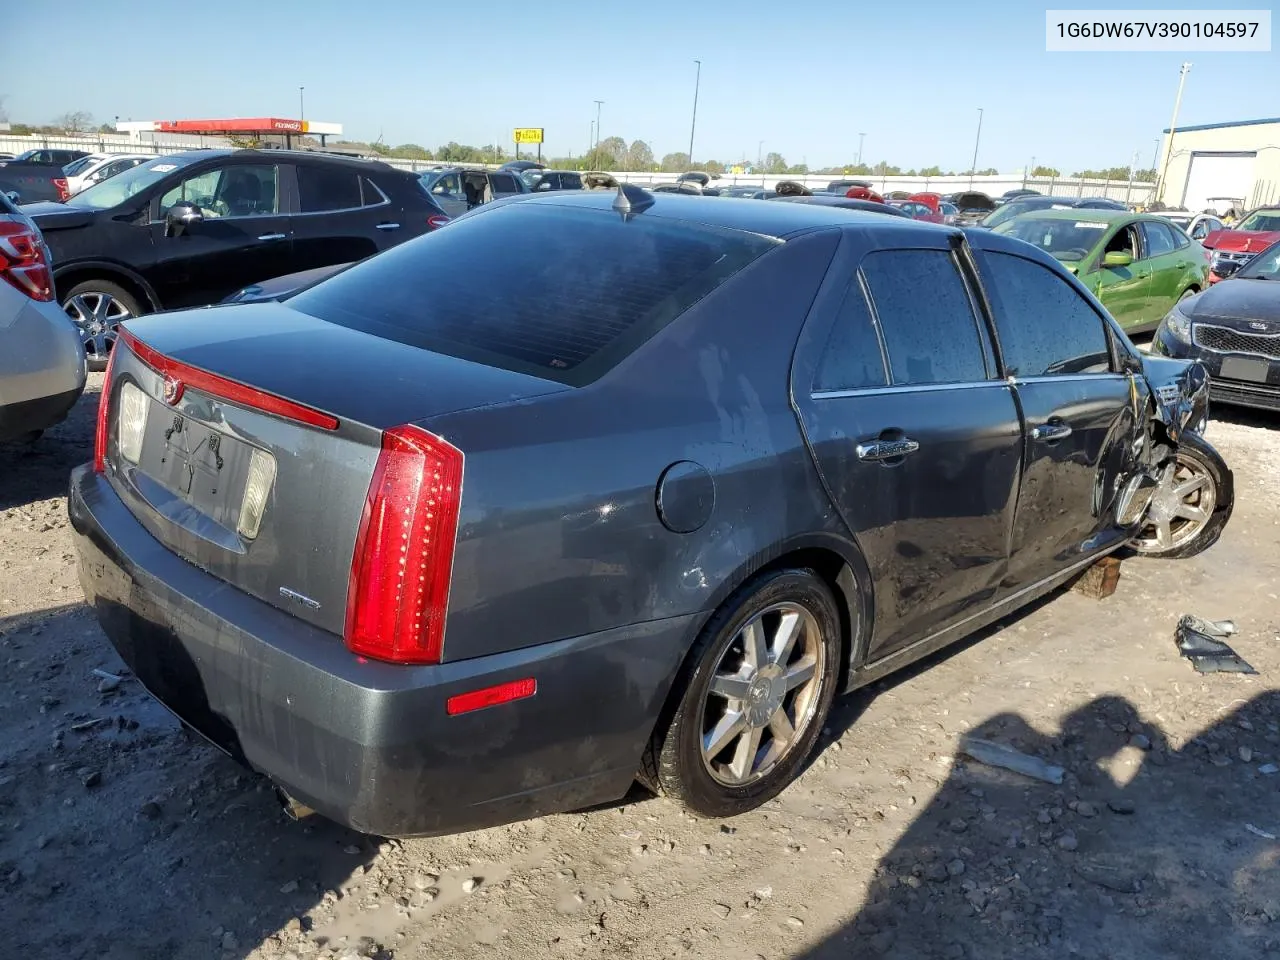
<point>436,221</point>
<point>23,259</point>
<point>399,588</point>
<point>64,191</point>
<point>104,405</point>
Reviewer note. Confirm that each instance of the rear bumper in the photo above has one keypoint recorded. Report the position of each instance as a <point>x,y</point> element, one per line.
<point>370,744</point>
<point>19,419</point>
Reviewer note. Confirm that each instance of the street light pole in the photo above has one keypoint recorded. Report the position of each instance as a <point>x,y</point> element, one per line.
<point>861,138</point>
<point>599,104</point>
<point>1173,127</point>
<point>693,124</point>
<point>760,154</point>
<point>973,167</point>
<point>302,109</point>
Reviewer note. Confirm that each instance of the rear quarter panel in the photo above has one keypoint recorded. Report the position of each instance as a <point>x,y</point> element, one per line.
<point>559,535</point>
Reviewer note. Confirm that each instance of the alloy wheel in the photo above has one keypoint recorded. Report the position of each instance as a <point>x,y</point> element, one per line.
<point>1183,503</point>
<point>763,694</point>
<point>97,315</point>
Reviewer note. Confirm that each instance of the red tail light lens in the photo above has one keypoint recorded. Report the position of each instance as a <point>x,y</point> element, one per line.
<point>399,588</point>
<point>64,191</point>
<point>104,405</point>
<point>437,221</point>
<point>22,259</point>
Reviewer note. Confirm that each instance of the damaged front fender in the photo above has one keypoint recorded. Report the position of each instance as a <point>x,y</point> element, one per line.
<point>1181,392</point>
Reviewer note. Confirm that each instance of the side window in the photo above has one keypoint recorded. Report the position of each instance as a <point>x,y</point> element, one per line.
<point>926,317</point>
<point>1046,328</point>
<point>449,185</point>
<point>852,359</point>
<point>502,183</point>
<point>1159,238</point>
<point>322,188</point>
<point>1201,230</point>
<point>370,194</point>
<point>570,181</point>
<point>240,190</point>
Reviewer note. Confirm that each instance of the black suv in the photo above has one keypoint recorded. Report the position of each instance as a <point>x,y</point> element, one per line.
<point>46,158</point>
<point>189,229</point>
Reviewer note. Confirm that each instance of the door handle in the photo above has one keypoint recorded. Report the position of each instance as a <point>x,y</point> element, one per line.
<point>1051,432</point>
<point>880,450</point>
<point>274,236</point>
<point>387,226</point>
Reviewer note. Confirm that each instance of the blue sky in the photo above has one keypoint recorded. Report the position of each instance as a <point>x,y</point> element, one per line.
<point>805,79</point>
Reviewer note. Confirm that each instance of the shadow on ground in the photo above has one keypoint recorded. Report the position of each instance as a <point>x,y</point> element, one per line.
<point>1000,866</point>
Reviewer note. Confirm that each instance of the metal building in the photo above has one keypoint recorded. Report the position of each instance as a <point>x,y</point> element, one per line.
<point>1219,165</point>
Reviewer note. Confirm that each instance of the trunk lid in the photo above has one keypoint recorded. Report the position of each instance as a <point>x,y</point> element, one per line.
<point>259,473</point>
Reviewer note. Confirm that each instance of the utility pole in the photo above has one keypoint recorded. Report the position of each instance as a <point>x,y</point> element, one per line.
<point>693,124</point>
<point>1173,127</point>
<point>861,138</point>
<point>760,155</point>
<point>302,107</point>
<point>973,167</point>
<point>599,104</point>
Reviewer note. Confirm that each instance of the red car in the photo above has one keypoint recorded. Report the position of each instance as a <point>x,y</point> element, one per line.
<point>864,193</point>
<point>917,210</point>
<point>1231,249</point>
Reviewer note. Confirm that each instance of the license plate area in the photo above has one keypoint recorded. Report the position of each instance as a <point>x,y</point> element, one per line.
<point>1245,368</point>
<point>204,468</point>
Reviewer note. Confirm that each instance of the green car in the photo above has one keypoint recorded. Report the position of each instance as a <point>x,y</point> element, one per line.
<point>1138,266</point>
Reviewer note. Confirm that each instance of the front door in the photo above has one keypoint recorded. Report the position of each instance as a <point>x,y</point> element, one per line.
<point>1124,290</point>
<point>916,441</point>
<point>244,237</point>
<point>447,191</point>
<point>1080,416</point>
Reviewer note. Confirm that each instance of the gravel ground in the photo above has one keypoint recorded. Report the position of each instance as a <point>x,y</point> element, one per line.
<point>121,836</point>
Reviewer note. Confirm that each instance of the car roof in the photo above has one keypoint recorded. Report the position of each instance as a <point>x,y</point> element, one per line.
<point>1100,214</point>
<point>210,153</point>
<point>777,220</point>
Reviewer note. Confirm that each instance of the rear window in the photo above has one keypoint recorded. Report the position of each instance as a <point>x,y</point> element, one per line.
<point>559,293</point>
<point>327,188</point>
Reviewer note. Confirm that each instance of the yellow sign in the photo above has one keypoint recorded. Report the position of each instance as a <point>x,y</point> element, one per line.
<point>528,134</point>
<point>737,168</point>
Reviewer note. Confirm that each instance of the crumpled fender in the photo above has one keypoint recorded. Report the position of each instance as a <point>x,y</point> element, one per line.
<point>1180,389</point>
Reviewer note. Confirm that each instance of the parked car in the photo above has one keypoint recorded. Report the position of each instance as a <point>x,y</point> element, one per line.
<point>916,211</point>
<point>1020,205</point>
<point>680,186</point>
<point>1197,226</point>
<point>1236,245</point>
<point>845,203</point>
<point>1018,192</point>
<point>973,207</point>
<point>599,180</point>
<point>1139,266</point>
<point>697,176</point>
<point>864,193</point>
<point>32,182</point>
<point>486,607</point>
<point>523,166</point>
<point>842,187</point>
<point>44,157</point>
<point>742,191</point>
<point>97,167</point>
<point>188,229</point>
<point>278,288</point>
<point>1233,329</point>
<point>458,189</point>
<point>950,212</point>
<point>42,365</point>
<point>541,181</point>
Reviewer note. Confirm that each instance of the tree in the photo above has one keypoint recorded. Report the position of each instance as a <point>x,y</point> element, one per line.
<point>1043,171</point>
<point>411,151</point>
<point>774,163</point>
<point>675,163</point>
<point>75,121</point>
<point>934,171</point>
<point>4,114</point>
<point>987,172</point>
<point>713,166</point>
<point>107,128</point>
<point>798,169</point>
<point>639,156</point>
<point>613,152</point>
<point>1114,173</point>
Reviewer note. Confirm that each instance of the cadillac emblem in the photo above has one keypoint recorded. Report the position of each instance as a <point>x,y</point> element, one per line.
<point>172,390</point>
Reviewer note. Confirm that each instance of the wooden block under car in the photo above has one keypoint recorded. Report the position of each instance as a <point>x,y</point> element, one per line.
<point>1100,580</point>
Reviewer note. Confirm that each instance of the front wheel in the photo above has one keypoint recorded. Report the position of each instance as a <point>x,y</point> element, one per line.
<point>97,307</point>
<point>1191,506</point>
<point>756,691</point>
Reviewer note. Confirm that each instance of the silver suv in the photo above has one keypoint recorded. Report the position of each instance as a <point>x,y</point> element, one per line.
<point>42,363</point>
<point>459,189</point>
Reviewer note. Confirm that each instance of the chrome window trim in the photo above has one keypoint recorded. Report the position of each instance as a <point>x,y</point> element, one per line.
<point>372,206</point>
<point>905,388</point>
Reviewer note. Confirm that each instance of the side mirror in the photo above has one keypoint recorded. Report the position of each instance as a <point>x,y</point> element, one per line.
<point>1117,258</point>
<point>181,216</point>
<point>544,186</point>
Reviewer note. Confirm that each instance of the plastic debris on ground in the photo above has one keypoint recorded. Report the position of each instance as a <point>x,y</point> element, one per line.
<point>1200,641</point>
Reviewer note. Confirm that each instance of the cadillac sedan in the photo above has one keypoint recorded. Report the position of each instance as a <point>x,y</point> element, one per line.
<point>433,554</point>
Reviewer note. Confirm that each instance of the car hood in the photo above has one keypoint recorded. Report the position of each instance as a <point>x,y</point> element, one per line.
<point>1237,241</point>
<point>58,216</point>
<point>1248,301</point>
<point>1181,391</point>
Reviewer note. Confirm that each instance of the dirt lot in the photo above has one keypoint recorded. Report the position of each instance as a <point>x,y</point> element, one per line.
<point>123,837</point>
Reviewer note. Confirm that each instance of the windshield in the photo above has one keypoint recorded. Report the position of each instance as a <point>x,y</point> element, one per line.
<point>115,191</point>
<point>1265,266</point>
<point>1068,240</point>
<point>1010,210</point>
<point>1261,220</point>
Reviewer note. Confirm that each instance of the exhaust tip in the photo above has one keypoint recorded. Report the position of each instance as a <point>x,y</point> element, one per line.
<point>294,809</point>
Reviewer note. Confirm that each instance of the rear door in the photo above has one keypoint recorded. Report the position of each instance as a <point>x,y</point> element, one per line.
<point>244,237</point>
<point>918,442</point>
<point>1171,257</point>
<point>503,185</point>
<point>1080,414</point>
<point>341,217</point>
<point>447,192</point>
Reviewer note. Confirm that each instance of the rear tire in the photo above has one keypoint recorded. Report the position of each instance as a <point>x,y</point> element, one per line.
<point>1191,506</point>
<point>754,695</point>
<point>97,307</point>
